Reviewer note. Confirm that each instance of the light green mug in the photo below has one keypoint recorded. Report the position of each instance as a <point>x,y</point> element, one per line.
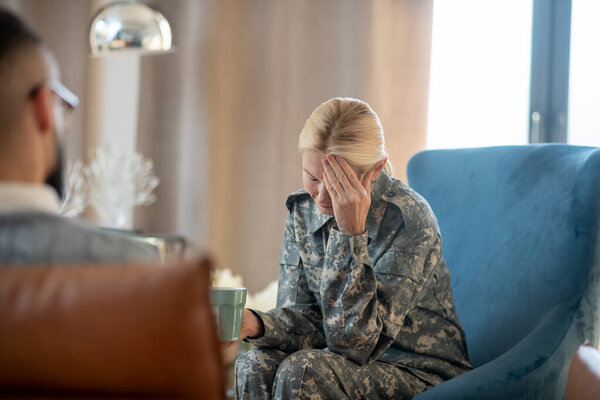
<point>228,306</point>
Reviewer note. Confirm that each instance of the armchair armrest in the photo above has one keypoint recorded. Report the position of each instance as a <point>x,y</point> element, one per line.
<point>536,367</point>
<point>121,330</point>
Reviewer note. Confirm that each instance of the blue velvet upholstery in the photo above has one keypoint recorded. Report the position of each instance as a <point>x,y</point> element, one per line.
<point>520,235</point>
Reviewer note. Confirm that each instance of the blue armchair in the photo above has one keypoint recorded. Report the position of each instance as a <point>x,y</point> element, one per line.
<point>520,230</point>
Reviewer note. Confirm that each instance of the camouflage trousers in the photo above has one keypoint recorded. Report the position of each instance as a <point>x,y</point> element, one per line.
<point>320,374</point>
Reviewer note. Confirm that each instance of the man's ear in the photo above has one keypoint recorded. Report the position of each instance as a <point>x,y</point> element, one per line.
<point>43,109</point>
<point>378,168</point>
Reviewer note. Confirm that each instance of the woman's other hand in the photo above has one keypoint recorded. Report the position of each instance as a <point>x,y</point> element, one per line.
<point>351,197</point>
<point>251,327</point>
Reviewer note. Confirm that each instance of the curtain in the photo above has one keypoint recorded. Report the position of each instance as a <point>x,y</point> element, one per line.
<point>220,116</point>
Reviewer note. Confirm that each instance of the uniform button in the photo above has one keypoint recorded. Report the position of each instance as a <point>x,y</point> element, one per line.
<point>357,250</point>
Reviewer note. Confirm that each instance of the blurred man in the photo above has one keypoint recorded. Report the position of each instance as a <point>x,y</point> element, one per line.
<point>35,111</point>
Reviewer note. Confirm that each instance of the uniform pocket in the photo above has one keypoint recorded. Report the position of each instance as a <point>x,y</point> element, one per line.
<point>289,255</point>
<point>289,275</point>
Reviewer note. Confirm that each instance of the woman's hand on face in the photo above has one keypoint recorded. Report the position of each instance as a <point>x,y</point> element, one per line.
<point>251,327</point>
<point>350,197</point>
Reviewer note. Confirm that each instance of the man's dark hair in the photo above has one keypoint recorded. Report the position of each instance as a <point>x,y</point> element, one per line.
<point>15,34</point>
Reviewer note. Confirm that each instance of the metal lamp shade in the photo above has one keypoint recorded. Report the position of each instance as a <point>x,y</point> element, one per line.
<point>129,26</point>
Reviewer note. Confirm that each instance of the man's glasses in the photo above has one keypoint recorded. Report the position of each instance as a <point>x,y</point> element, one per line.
<point>68,99</point>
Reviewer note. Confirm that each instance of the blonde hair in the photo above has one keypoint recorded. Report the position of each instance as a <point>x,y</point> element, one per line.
<point>348,128</point>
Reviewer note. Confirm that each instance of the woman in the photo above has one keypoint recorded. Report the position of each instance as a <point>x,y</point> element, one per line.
<point>364,307</point>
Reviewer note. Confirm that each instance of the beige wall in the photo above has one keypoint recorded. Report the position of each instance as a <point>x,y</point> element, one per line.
<point>220,116</point>
<point>399,83</point>
<point>270,64</point>
<point>63,24</point>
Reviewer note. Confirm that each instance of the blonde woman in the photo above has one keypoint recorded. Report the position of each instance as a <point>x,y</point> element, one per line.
<point>364,307</point>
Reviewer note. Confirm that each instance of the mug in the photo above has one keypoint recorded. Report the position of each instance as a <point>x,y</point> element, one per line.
<point>228,306</point>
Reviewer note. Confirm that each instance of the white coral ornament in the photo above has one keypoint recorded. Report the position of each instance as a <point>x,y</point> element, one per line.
<point>76,190</point>
<point>118,182</point>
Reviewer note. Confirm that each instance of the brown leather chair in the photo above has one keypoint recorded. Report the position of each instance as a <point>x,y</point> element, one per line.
<point>583,382</point>
<point>113,330</point>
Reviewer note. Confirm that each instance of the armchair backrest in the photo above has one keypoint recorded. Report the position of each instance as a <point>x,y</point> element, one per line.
<point>519,228</point>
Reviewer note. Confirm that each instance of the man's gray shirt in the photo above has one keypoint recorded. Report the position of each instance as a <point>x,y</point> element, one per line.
<point>31,237</point>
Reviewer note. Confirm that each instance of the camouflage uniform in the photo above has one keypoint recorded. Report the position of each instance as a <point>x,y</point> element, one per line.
<point>368,316</point>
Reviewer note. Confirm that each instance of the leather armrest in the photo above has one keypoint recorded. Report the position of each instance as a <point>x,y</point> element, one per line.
<point>124,330</point>
<point>583,382</point>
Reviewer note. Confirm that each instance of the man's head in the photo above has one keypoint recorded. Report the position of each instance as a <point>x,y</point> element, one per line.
<point>32,106</point>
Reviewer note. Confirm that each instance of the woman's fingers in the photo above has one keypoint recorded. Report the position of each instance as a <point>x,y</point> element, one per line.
<point>331,189</point>
<point>343,173</point>
<point>225,345</point>
<point>349,172</point>
<point>367,181</point>
<point>333,164</point>
<point>335,173</point>
<point>332,181</point>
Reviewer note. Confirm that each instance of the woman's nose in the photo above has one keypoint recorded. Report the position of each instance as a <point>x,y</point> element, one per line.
<point>323,195</point>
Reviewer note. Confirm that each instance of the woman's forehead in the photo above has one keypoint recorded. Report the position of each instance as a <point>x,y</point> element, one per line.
<point>312,158</point>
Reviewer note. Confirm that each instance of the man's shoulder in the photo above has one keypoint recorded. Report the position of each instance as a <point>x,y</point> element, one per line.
<point>47,237</point>
<point>42,221</point>
<point>37,220</point>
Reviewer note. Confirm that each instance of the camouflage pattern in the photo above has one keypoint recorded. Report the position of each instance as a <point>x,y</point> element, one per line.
<point>379,304</point>
<point>321,374</point>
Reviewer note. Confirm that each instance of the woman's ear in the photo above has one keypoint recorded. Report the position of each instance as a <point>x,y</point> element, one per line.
<point>378,168</point>
<point>43,109</point>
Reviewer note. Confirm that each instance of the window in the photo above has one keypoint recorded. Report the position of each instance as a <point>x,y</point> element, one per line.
<point>480,73</point>
<point>584,75</point>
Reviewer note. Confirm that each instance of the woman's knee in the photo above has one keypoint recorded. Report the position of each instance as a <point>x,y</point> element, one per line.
<point>258,361</point>
<point>303,364</point>
<point>307,373</point>
<point>255,371</point>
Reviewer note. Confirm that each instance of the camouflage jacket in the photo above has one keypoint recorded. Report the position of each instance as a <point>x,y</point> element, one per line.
<point>384,295</point>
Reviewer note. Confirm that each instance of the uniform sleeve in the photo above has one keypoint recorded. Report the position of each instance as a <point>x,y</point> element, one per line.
<point>364,305</point>
<point>297,322</point>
